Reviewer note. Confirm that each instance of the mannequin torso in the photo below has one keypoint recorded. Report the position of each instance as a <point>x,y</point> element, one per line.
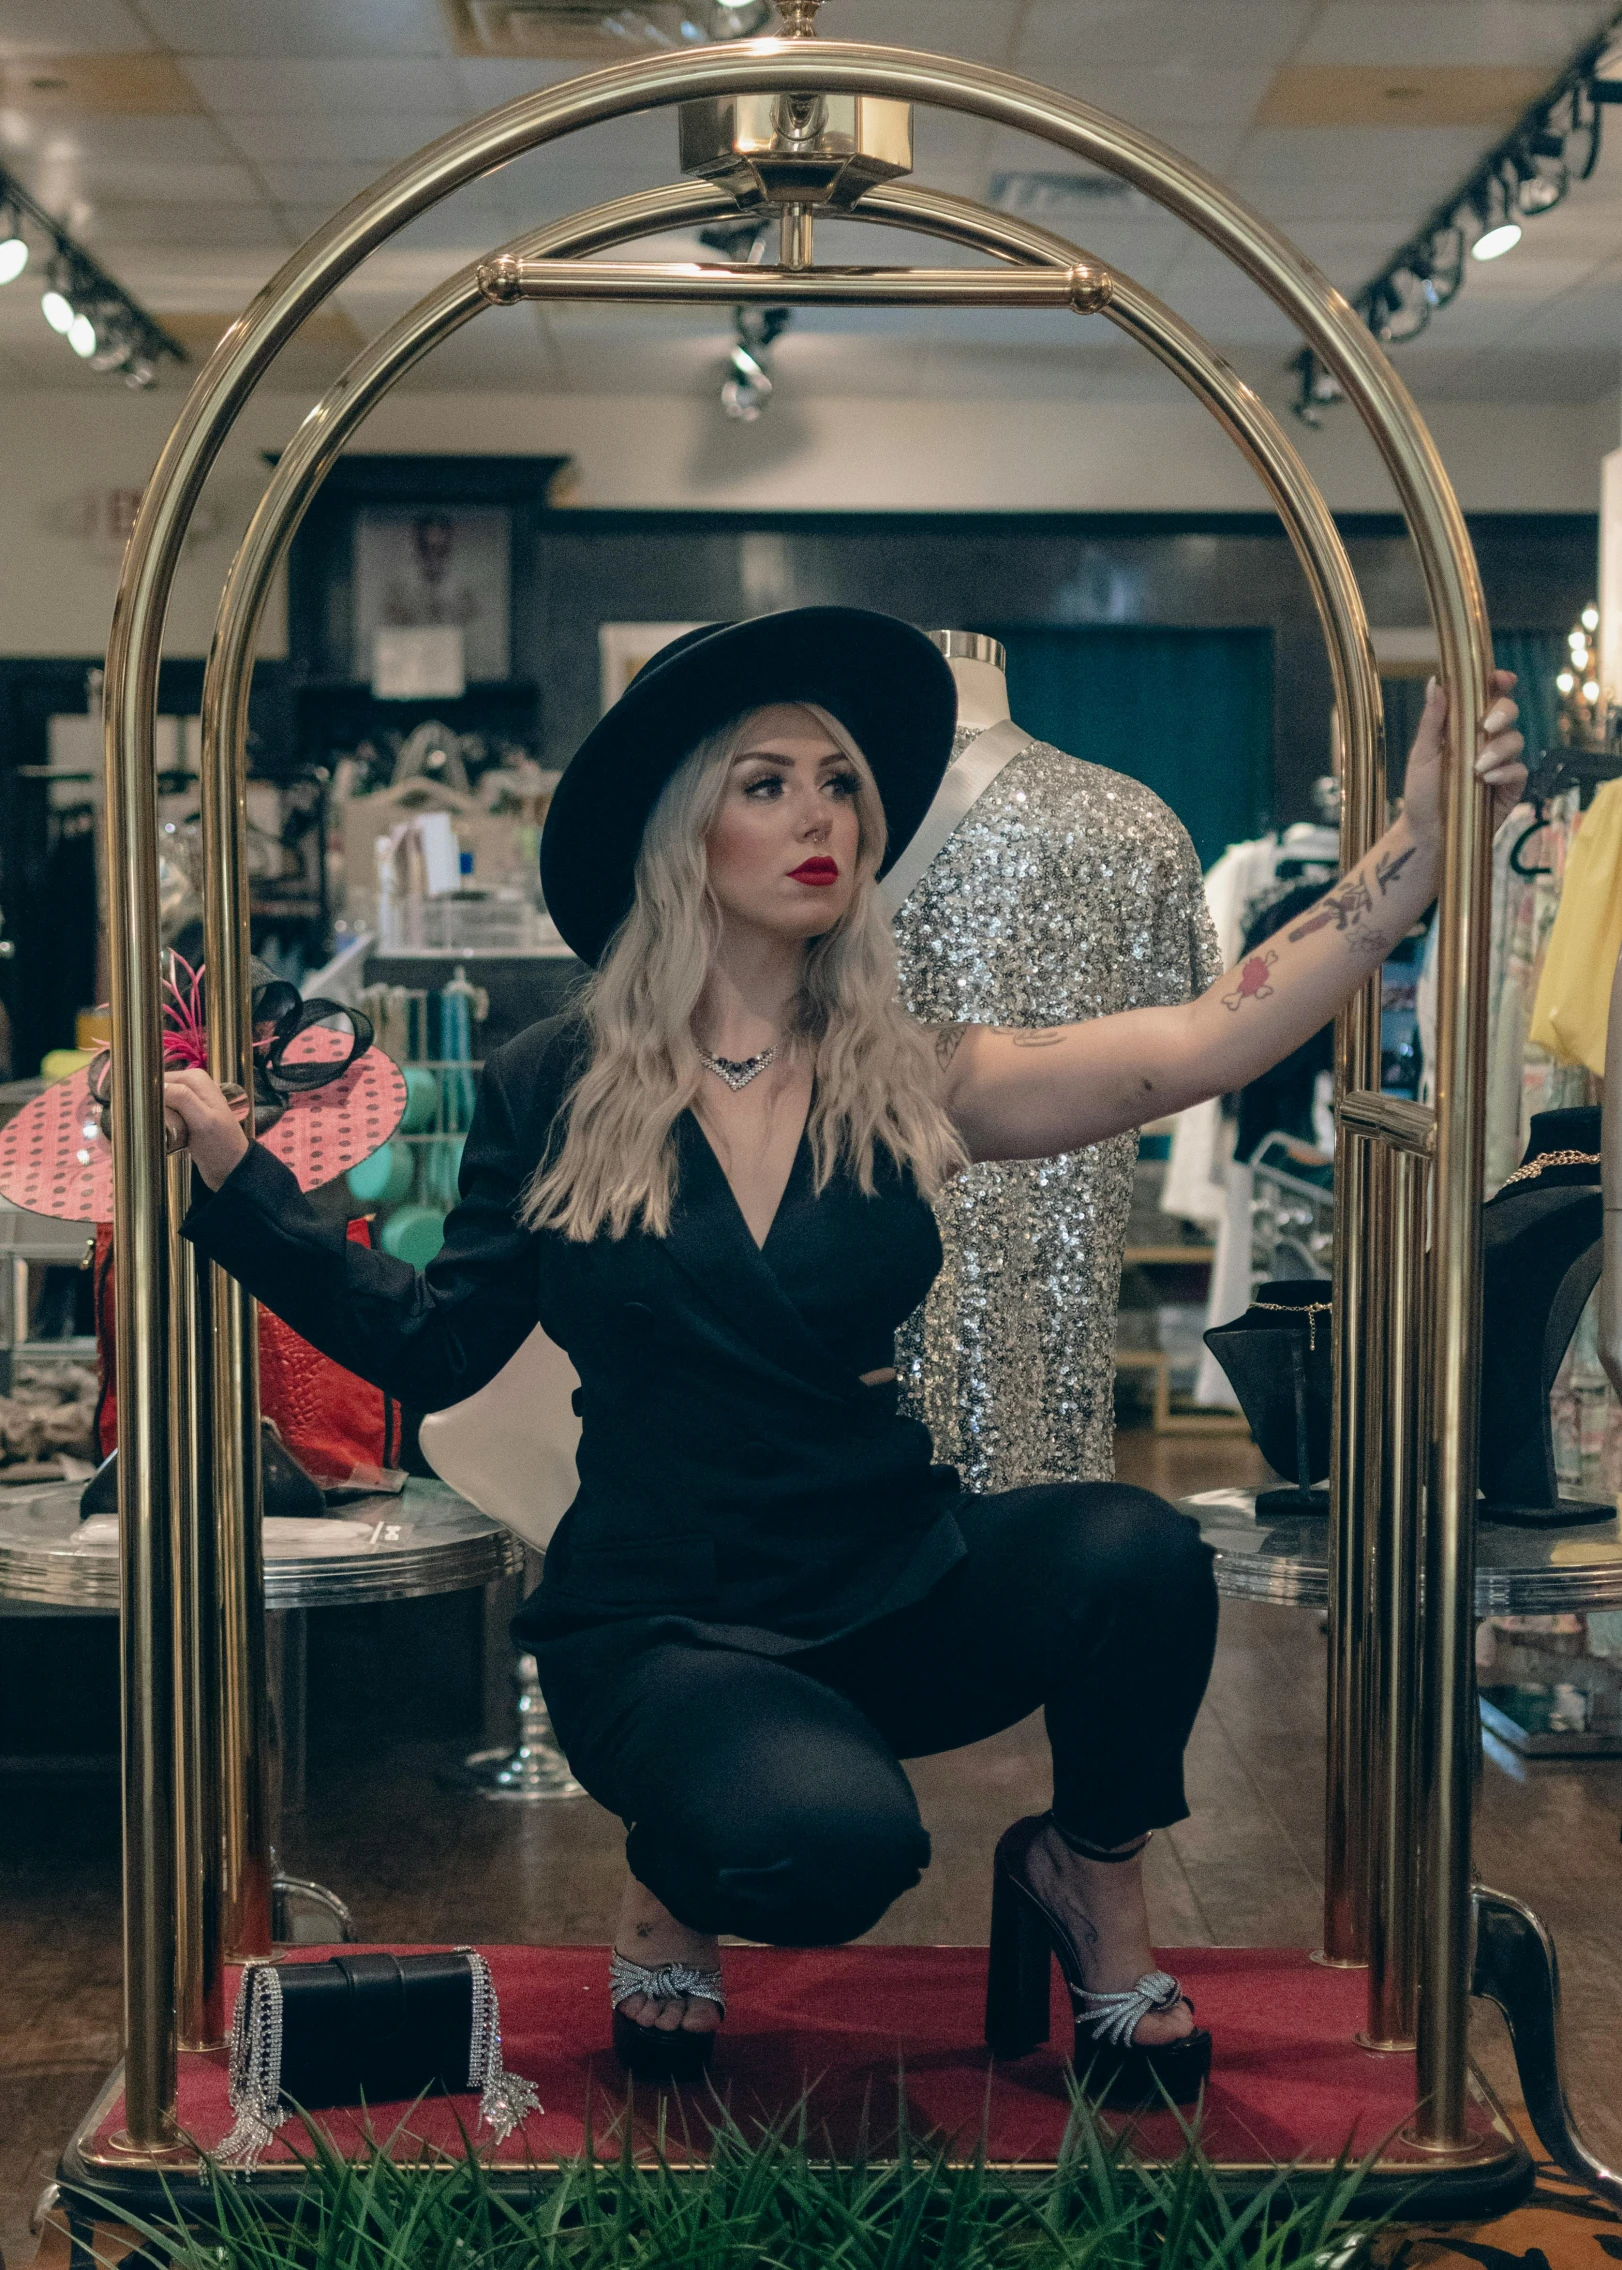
<point>982,693</point>
<point>1066,892</point>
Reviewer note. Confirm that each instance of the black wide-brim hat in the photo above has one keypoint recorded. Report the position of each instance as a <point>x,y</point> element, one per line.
<point>885,682</point>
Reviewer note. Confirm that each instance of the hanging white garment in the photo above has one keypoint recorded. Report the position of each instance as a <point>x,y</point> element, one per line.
<point>1194,1189</point>
<point>1230,1276</point>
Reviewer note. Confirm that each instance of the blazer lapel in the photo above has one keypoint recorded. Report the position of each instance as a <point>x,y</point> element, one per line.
<point>709,1241</point>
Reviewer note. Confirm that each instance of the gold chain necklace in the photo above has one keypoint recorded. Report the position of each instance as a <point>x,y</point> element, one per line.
<point>1535,1167</point>
<point>1311,1310</point>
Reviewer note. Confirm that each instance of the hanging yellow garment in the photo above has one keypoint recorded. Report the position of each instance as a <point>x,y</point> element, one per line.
<point>1574,992</point>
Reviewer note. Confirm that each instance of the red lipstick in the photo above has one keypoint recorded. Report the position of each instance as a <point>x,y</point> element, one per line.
<point>819,873</point>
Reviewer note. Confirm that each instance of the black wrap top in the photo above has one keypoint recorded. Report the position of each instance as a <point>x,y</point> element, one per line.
<point>735,1475</point>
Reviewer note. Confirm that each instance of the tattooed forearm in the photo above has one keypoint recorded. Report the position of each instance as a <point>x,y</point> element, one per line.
<point>1370,946</point>
<point>1036,1039</point>
<point>948,1040</point>
<point>1344,908</point>
<point>1254,983</point>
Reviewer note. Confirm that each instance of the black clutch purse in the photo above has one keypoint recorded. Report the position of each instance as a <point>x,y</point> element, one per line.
<point>366,2029</point>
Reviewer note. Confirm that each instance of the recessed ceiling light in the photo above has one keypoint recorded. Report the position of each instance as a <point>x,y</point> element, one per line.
<point>57,311</point>
<point>13,258</point>
<point>82,336</point>
<point>1496,242</point>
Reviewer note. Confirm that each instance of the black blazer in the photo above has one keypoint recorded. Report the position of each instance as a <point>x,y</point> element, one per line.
<point>734,1474</point>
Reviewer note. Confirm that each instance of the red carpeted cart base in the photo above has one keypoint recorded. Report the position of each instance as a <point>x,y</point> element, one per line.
<point>849,2026</point>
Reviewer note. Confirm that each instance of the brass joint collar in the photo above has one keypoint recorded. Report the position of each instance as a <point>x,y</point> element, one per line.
<point>500,280</point>
<point>1091,289</point>
<point>799,18</point>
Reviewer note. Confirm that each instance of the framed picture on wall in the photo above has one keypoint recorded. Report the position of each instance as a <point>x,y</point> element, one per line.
<point>440,568</point>
<point>626,647</point>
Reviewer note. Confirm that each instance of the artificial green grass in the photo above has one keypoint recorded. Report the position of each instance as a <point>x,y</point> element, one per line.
<point>773,2200</point>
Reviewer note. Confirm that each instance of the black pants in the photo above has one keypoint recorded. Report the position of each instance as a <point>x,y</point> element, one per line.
<point>764,1795</point>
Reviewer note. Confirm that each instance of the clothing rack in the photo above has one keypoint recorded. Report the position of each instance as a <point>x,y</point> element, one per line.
<point>1582,769</point>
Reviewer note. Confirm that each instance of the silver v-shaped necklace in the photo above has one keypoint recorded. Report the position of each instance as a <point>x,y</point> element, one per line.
<point>736,1072</point>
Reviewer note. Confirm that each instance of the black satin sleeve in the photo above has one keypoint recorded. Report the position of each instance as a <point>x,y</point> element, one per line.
<point>427,1337</point>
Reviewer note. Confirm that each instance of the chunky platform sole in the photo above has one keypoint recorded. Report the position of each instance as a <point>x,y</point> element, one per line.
<point>1025,1941</point>
<point>667,2059</point>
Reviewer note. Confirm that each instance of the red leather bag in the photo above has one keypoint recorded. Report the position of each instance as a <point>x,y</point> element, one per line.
<point>339,1428</point>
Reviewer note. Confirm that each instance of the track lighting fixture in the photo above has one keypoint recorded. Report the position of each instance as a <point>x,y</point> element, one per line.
<point>1316,389</point>
<point>13,245</point>
<point>748,386</point>
<point>81,302</point>
<point>1553,144</point>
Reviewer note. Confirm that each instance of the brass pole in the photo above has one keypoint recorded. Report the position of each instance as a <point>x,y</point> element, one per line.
<point>796,236</point>
<point>1346,1727</point>
<point>1398,1182</point>
<point>146,1584</point>
<point>241,1747</point>
<point>1328,324</point>
<point>1448,1725</point>
<point>200,1981</point>
<point>687,283</point>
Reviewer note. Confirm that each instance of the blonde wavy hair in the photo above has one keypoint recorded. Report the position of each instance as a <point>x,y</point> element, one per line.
<point>876,1082</point>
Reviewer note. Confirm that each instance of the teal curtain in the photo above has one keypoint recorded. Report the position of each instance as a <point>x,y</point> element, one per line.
<point>1536,657</point>
<point>1188,712</point>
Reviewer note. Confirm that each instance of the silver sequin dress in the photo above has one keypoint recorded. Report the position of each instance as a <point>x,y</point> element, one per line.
<point>1067,892</point>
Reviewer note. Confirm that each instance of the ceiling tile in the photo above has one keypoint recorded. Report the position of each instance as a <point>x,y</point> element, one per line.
<point>315,355</point>
<point>976,31</point>
<point>98,141</point>
<point>77,86</point>
<point>366,137</point>
<point>1164,96</point>
<point>70,27</point>
<point>318,188</point>
<point>489,80</point>
<point>231,85</point>
<point>1059,36</point>
<point>117,226</point>
<point>1542,37</point>
<point>1213,148</point>
<point>1489,96</point>
<point>76,187</point>
<point>1369,163</point>
<point>298,27</point>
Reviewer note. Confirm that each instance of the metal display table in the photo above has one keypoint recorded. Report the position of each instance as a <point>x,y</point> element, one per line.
<point>1519,1572</point>
<point>427,1540</point>
<point>424,1541</point>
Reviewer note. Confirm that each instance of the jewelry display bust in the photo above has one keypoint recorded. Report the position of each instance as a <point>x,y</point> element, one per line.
<point>1067,891</point>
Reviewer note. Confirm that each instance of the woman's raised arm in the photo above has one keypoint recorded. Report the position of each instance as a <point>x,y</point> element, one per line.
<point>428,1337</point>
<point>1030,1094</point>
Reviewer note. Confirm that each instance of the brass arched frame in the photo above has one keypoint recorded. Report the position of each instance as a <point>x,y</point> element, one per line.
<point>327,429</point>
<point>1336,334</point>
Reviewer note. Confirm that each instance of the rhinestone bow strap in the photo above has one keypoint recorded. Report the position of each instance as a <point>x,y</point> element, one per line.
<point>666,1984</point>
<point>1114,2017</point>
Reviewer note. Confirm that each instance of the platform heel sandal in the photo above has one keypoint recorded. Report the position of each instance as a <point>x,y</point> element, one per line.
<point>663,2055</point>
<point>1026,1936</point>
